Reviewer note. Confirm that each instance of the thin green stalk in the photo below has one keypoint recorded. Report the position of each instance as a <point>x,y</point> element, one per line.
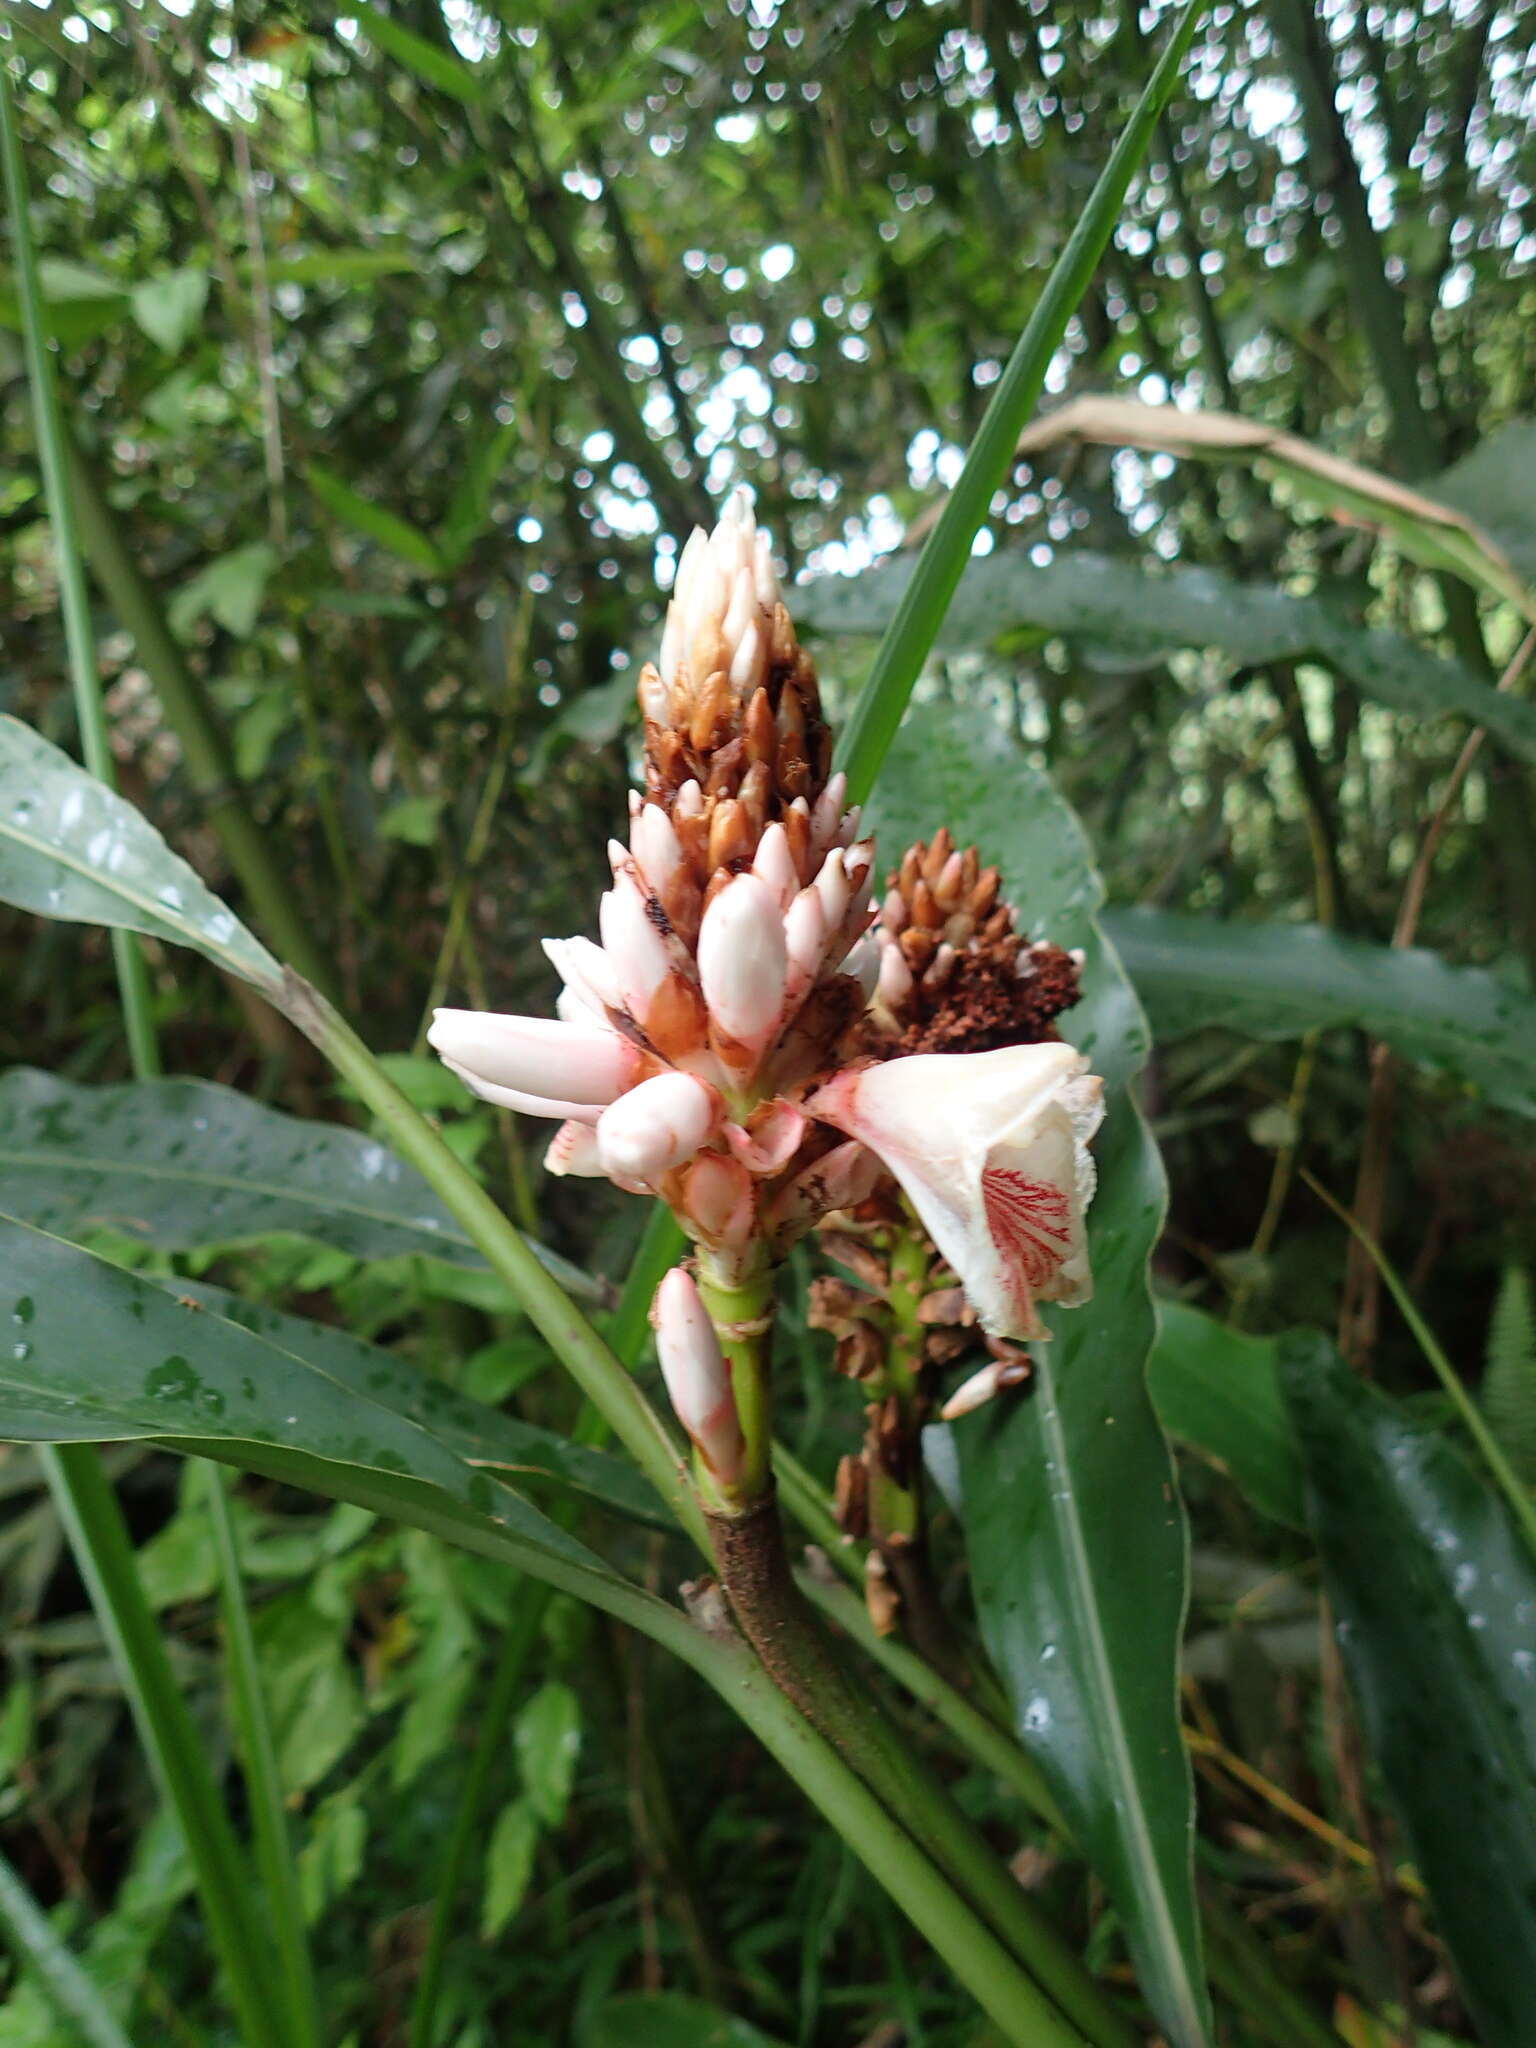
<point>613,1393</point>
<point>127,951</point>
<point>35,1945</point>
<point>590,1361</point>
<point>205,750</point>
<point>269,1816</point>
<point>904,649</point>
<point>977,1733</point>
<point>1013,2001</point>
<point>84,1497</point>
<point>103,1551</point>
<point>1520,1503</point>
<point>511,1662</point>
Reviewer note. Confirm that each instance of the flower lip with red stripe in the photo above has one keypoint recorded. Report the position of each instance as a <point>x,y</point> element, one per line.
<point>991,1148</point>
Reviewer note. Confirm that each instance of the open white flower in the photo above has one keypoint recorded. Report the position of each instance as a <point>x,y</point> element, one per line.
<point>992,1151</point>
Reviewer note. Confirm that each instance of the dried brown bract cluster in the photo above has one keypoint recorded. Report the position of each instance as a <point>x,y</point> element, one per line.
<point>956,975</point>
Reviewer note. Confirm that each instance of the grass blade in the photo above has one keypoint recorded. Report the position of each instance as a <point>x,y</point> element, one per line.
<point>33,1942</point>
<point>910,634</point>
<point>88,1509</point>
<point>269,1816</point>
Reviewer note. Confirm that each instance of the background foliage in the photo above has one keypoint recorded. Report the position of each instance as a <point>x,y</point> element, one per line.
<point>400,350</point>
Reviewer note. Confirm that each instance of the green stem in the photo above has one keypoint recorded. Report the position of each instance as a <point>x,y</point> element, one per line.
<point>93,1521</point>
<point>127,950</point>
<point>742,1313</point>
<point>802,1662</point>
<point>269,1816</point>
<point>909,636</point>
<point>591,1363</point>
<point>205,751</point>
<point>511,1662</point>
<point>34,1943</point>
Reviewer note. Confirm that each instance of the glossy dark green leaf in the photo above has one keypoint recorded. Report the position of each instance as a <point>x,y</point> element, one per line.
<point>1115,603</point>
<point>182,1164</point>
<point>108,1354</point>
<point>1279,981</point>
<point>484,1437</point>
<point>1435,1597</point>
<point>1069,1497</point>
<point>71,848</point>
<point>1219,1392</point>
<point>402,539</point>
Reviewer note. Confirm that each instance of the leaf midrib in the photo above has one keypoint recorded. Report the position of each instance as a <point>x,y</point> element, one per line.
<point>1085,1605</point>
<point>188,933</point>
<point>192,1177</point>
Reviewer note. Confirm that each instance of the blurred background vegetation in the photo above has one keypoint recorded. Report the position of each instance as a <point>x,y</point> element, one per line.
<point>401,350</point>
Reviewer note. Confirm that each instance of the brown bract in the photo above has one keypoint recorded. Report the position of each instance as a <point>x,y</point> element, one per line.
<point>975,982</point>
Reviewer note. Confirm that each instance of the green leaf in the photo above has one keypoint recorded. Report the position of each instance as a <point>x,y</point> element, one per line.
<point>71,848</point>
<point>668,2019</point>
<point>878,710</point>
<point>170,308</point>
<point>486,1439</point>
<point>387,528</point>
<point>1429,531</point>
<point>78,304</point>
<point>1115,603</point>
<point>31,1937</point>
<point>105,1353</point>
<point>548,1740</point>
<point>1280,981</point>
<point>508,1866</point>
<point>342,266</point>
<point>183,1164</point>
<point>1434,1593</point>
<point>1509,1382</point>
<point>1495,484</point>
<point>436,66</point>
<point>466,517</point>
<point>1219,1392</point>
<point>229,590</point>
<point>1069,1497</point>
<point>413,820</point>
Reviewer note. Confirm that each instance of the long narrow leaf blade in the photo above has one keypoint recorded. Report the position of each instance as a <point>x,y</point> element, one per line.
<point>184,1164</point>
<point>1435,1599</point>
<point>1069,1495</point>
<point>910,634</point>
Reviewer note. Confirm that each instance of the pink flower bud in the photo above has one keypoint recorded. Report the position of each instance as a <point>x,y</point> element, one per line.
<point>587,973</point>
<point>717,1202</point>
<point>775,865</point>
<point>522,1102</point>
<point>697,1375</point>
<point>895,980</point>
<point>573,1153</point>
<point>742,961</point>
<point>840,1179</point>
<point>828,815</point>
<point>535,1055</point>
<point>862,962</point>
<point>831,885</point>
<point>805,941</point>
<point>654,845</point>
<point>655,1127</point>
<point>635,948</point>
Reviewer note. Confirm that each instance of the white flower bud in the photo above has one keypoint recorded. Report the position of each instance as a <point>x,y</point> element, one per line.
<point>535,1055</point>
<point>697,1375</point>
<point>742,960</point>
<point>655,1127</point>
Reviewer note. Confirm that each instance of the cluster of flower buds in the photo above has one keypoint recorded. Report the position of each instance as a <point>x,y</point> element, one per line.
<point>742,1043</point>
<point>734,947</point>
<point>955,973</point>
